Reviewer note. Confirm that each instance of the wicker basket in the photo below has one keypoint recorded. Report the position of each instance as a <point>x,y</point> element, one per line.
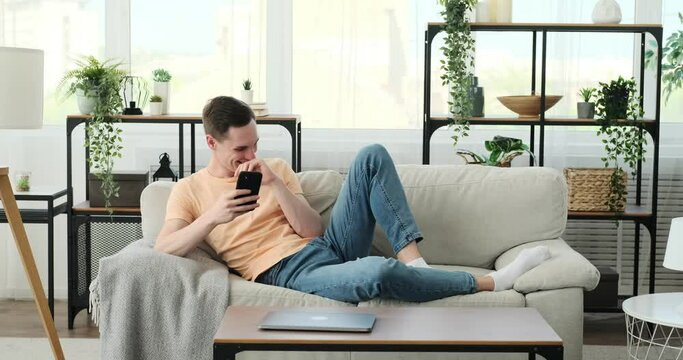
<point>589,188</point>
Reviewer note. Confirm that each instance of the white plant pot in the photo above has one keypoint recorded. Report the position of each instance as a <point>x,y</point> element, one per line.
<point>86,104</point>
<point>155,108</point>
<point>248,96</point>
<point>161,89</point>
<point>606,12</point>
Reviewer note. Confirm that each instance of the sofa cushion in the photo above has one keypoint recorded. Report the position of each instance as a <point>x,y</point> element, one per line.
<point>243,292</point>
<point>469,214</point>
<point>320,190</point>
<point>508,298</point>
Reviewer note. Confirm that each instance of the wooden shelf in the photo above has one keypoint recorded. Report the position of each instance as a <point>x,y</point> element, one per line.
<point>552,121</point>
<point>574,27</point>
<point>85,208</point>
<point>632,212</point>
<point>196,118</point>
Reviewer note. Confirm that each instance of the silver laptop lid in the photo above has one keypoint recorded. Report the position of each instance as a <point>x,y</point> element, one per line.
<point>317,321</point>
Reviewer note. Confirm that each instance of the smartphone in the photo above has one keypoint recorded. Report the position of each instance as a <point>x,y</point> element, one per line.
<point>249,180</point>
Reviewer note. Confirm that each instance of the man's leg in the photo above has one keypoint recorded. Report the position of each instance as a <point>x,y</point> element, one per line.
<point>372,193</point>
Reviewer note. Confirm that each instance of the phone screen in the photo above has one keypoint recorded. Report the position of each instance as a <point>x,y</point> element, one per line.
<point>249,180</point>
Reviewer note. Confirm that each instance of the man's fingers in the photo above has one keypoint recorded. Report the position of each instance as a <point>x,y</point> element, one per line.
<point>245,208</point>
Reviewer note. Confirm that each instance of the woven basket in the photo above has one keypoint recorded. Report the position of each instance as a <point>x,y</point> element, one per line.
<point>589,188</point>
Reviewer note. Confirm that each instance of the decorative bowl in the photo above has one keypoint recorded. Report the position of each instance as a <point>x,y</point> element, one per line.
<point>528,106</point>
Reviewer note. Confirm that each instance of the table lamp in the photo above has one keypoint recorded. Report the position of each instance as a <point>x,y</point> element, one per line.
<point>673,258</point>
<point>21,107</point>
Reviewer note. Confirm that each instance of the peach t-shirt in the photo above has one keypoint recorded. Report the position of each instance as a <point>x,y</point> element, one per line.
<point>253,242</point>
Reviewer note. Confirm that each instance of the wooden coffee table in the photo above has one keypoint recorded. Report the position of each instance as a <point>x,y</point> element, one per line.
<point>399,329</point>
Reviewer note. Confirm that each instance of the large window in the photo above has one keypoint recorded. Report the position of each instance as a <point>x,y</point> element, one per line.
<point>358,64</point>
<point>64,29</point>
<point>209,47</point>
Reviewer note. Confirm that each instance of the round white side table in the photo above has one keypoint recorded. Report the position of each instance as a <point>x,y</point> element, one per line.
<point>654,326</point>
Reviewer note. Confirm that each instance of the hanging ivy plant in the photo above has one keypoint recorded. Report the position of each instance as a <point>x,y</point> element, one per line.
<point>457,66</point>
<point>617,101</point>
<point>101,80</point>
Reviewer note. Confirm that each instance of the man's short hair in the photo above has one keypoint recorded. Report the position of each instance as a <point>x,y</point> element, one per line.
<point>223,112</point>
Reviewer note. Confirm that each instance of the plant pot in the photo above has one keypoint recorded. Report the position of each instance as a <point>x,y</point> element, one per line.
<point>585,110</point>
<point>248,96</point>
<point>155,108</point>
<point>161,89</point>
<point>86,104</point>
<point>606,12</point>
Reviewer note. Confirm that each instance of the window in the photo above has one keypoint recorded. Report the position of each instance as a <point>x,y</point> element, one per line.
<point>671,110</point>
<point>209,47</point>
<point>65,30</point>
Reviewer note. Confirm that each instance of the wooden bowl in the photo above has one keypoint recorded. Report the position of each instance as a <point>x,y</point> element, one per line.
<point>528,106</point>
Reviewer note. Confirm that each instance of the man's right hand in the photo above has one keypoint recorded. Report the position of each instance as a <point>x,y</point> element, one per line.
<point>227,208</point>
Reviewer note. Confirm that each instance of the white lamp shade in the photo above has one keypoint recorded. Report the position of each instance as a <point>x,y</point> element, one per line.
<point>673,259</point>
<point>21,88</point>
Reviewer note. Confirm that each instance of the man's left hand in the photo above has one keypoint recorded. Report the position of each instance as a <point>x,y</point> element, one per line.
<point>259,166</point>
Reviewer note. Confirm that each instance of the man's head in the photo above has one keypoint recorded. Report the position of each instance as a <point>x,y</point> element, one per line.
<point>230,131</point>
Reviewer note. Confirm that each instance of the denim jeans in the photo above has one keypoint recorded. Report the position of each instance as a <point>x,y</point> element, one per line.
<point>337,264</point>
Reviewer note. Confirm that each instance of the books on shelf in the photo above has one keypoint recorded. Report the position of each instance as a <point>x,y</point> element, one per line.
<point>260,108</point>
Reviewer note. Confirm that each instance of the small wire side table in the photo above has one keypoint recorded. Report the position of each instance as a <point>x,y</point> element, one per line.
<point>654,326</point>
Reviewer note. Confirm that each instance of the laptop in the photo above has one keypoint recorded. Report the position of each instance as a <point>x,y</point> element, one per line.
<point>317,321</point>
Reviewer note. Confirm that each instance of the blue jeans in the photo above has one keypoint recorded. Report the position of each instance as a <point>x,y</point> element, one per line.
<point>336,265</point>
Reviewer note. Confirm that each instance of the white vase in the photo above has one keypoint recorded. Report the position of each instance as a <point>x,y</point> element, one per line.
<point>606,12</point>
<point>504,11</point>
<point>248,96</point>
<point>161,89</point>
<point>155,108</point>
<point>86,104</point>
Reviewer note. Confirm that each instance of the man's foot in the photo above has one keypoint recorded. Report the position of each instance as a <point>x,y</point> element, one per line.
<point>419,262</point>
<point>527,259</point>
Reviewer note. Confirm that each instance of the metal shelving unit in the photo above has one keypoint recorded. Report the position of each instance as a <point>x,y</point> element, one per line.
<point>638,213</point>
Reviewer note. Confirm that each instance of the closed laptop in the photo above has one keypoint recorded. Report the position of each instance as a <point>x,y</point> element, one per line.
<point>317,321</point>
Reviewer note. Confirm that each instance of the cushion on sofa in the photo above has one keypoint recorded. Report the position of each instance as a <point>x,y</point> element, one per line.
<point>243,292</point>
<point>469,215</point>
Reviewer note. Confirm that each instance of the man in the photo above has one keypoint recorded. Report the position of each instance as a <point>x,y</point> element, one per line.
<point>280,240</point>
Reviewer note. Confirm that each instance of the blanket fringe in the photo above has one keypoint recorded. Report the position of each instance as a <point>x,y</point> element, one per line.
<point>94,303</point>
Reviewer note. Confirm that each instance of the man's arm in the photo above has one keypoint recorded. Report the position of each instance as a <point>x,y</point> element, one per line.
<point>178,237</point>
<point>300,215</point>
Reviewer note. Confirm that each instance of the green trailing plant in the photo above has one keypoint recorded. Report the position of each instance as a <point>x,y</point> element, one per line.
<point>458,51</point>
<point>155,98</point>
<point>246,84</point>
<point>501,152</point>
<point>103,138</point>
<point>161,75</point>
<point>672,61</point>
<point>619,116</point>
<point>587,94</point>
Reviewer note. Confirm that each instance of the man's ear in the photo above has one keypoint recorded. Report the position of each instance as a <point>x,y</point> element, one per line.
<point>211,142</point>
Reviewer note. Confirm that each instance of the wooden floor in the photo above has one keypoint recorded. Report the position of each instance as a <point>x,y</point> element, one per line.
<point>20,319</point>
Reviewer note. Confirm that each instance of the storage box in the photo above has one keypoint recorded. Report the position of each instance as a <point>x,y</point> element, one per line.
<point>131,184</point>
<point>605,295</point>
<point>589,188</point>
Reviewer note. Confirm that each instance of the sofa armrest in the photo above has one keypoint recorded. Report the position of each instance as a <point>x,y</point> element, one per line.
<point>565,268</point>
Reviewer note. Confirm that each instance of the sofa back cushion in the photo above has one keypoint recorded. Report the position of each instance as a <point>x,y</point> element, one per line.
<point>320,189</point>
<point>470,214</point>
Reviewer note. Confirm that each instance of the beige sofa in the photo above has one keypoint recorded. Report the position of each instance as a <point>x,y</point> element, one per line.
<point>473,218</point>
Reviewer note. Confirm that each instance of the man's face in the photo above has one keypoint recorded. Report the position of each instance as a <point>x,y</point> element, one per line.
<point>238,146</point>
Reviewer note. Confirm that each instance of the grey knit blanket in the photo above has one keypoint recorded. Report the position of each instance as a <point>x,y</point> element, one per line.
<point>151,305</point>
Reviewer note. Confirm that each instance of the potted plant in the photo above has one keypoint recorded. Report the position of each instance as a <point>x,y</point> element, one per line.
<point>619,116</point>
<point>501,152</point>
<point>155,105</point>
<point>101,80</point>
<point>457,67</point>
<point>161,79</point>
<point>672,64</point>
<point>586,109</point>
<point>247,92</point>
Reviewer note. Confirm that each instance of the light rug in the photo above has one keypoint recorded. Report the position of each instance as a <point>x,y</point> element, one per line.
<point>88,349</point>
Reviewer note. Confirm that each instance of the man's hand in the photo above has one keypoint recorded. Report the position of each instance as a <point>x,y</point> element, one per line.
<point>259,166</point>
<point>227,208</point>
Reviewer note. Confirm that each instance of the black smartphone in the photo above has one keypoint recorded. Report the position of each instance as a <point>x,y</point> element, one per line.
<point>249,180</point>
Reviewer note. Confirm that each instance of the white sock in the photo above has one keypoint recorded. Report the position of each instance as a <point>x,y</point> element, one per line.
<point>419,262</point>
<point>527,259</point>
